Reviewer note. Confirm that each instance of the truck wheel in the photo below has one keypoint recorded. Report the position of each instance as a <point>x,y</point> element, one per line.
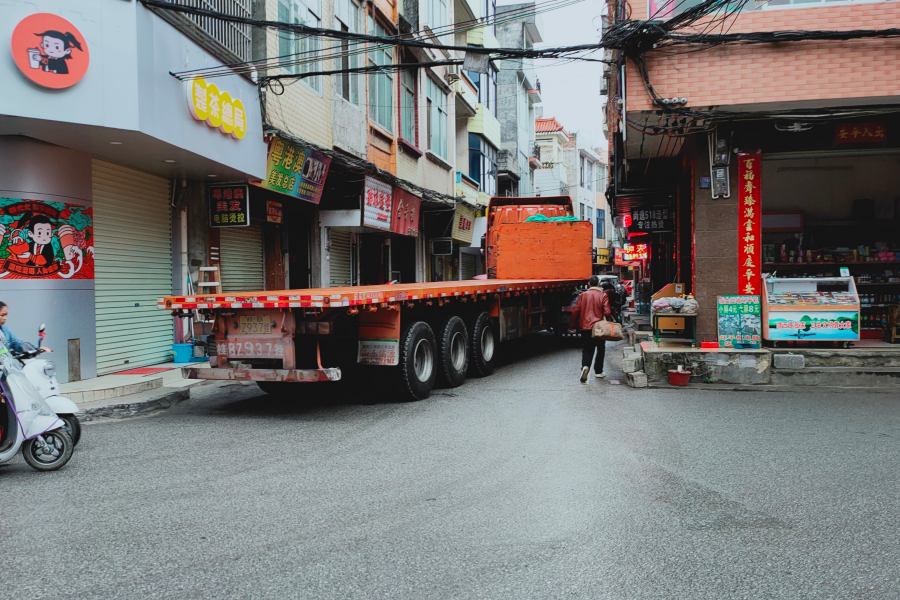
<point>453,355</point>
<point>414,376</point>
<point>483,341</point>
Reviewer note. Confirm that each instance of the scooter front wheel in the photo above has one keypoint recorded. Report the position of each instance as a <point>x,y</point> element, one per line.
<point>73,427</point>
<point>51,454</point>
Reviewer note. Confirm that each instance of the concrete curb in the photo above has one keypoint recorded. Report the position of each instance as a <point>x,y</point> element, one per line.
<point>765,387</point>
<point>138,404</point>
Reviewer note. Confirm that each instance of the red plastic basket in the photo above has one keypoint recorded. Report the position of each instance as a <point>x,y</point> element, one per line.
<point>679,378</point>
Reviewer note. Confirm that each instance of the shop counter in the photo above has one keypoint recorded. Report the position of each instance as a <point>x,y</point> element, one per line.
<point>811,309</point>
<point>678,323</point>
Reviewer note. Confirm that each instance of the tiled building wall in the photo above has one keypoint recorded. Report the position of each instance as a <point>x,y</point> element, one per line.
<point>715,241</point>
<point>300,110</point>
<point>780,74</point>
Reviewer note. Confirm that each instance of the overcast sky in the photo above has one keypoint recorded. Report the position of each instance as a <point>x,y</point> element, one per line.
<point>571,91</point>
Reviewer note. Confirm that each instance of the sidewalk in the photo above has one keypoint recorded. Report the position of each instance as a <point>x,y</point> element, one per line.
<point>130,392</point>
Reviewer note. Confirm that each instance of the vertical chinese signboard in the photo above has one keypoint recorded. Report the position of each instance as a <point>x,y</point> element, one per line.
<point>379,203</point>
<point>740,322</point>
<point>749,224</point>
<point>296,171</point>
<point>405,216</point>
<point>228,205</point>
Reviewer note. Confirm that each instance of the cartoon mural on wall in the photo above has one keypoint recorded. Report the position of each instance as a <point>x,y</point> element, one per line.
<point>45,240</point>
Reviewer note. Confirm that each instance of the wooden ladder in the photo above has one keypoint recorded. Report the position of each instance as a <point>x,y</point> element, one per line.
<point>209,283</point>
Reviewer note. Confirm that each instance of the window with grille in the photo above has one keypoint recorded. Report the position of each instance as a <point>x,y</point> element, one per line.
<point>346,19</point>
<point>300,53</point>
<point>436,14</point>
<point>437,118</point>
<point>483,164</point>
<point>408,107</point>
<point>381,85</point>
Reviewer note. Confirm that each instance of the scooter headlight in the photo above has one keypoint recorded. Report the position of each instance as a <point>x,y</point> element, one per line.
<point>49,368</point>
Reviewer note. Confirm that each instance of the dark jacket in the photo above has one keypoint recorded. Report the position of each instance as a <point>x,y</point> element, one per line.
<point>591,307</point>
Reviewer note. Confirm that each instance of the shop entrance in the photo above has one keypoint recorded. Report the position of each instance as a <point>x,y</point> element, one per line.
<point>827,218</point>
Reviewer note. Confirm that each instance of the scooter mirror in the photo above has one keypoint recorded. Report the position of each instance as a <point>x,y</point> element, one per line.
<point>43,328</point>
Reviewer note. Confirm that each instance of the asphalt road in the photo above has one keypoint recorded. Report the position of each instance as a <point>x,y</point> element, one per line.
<point>523,485</point>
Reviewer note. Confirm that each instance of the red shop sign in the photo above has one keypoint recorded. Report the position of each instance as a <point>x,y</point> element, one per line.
<point>860,133</point>
<point>405,214</point>
<point>749,224</point>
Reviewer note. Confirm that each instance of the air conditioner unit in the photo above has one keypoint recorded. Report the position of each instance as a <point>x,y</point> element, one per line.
<point>452,74</point>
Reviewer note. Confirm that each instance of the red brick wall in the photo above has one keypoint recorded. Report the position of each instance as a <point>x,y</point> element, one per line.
<point>780,74</point>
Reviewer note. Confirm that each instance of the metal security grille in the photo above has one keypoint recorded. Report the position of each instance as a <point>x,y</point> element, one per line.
<point>133,267</point>
<point>339,258</point>
<point>242,259</point>
<point>234,36</point>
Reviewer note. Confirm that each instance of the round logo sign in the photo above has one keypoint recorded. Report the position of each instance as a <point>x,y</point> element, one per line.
<point>50,51</point>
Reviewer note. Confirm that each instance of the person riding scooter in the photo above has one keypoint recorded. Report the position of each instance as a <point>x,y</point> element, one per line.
<point>9,340</point>
<point>616,299</point>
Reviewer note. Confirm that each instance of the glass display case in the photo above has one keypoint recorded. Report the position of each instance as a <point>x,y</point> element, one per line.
<point>813,309</point>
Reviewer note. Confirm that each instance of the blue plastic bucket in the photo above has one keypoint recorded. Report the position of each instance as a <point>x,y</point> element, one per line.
<point>183,352</point>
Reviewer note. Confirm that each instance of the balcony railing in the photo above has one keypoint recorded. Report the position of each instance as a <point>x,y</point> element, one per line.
<point>234,37</point>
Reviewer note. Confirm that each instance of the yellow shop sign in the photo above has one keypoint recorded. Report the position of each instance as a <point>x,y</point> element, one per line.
<point>218,109</point>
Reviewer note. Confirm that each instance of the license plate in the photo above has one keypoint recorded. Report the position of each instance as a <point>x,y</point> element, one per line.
<point>255,325</point>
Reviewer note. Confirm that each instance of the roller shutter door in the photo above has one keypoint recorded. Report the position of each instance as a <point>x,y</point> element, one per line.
<point>467,265</point>
<point>242,259</point>
<point>133,260</point>
<point>339,258</point>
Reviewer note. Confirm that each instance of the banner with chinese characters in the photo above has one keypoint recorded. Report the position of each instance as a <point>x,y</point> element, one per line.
<point>228,205</point>
<point>860,133</point>
<point>405,217</point>
<point>740,322</point>
<point>45,240</point>
<point>379,202</point>
<point>749,224</point>
<point>296,171</point>
<point>655,220</point>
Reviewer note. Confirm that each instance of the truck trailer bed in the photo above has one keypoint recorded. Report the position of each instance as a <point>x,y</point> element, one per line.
<point>336,297</point>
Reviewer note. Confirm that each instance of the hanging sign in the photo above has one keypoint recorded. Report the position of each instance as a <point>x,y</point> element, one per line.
<point>45,240</point>
<point>216,108</point>
<point>740,322</point>
<point>50,51</point>
<point>228,205</point>
<point>463,224</point>
<point>749,224</point>
<point>379,201</point>
<point>860,133</point>
<point>405,216</point>
<point>295,171</point>
<point>273,212</point>
<point>656,220</point>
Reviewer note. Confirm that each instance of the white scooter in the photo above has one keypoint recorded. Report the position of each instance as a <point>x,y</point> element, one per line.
<point>28,423</point>
<point>41,372</point>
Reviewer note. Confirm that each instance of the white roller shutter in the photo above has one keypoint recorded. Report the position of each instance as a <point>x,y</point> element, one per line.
<point>242,259</point>
<point>133,260</point>
<point>339,258</point>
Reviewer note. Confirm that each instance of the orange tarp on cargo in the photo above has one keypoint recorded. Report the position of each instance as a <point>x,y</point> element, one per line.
<point>542,250</point>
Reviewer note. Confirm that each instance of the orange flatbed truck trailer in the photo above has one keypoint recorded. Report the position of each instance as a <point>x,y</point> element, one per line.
<point>418,334</point>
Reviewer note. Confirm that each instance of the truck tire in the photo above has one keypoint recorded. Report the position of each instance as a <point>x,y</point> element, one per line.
<point>415,375</point>
<point>453,352</point>
<point>483,343</point>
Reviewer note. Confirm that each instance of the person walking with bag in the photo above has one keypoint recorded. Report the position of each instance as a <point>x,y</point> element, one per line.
<point>592,306</point>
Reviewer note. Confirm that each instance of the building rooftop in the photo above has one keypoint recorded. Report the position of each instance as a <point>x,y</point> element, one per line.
<point>550,125</point>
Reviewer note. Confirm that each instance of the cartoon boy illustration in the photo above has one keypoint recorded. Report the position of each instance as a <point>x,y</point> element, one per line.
<point>37,250</point>
<point>56,49</point>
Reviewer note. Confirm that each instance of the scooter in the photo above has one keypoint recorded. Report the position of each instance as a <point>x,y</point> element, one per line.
<point>41,372</point>
<point>28,423</point>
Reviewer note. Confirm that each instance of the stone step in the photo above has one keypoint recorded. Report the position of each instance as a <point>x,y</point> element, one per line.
<point>860,377</point>
<point>854,357</point>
